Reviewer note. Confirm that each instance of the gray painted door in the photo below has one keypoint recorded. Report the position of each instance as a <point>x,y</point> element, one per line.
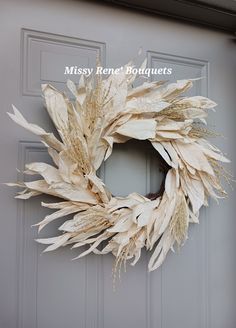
<point>196,287</point>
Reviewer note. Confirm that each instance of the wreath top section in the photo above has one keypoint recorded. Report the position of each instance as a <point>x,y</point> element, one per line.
<point>108,111</point>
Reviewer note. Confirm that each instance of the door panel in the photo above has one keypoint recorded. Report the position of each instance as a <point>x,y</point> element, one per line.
<point>196,286</point>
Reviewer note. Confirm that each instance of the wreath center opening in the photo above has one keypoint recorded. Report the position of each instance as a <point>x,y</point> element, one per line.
<point>134,166</point>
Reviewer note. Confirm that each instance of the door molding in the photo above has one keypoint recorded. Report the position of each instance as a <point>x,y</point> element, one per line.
<point>42,54</point>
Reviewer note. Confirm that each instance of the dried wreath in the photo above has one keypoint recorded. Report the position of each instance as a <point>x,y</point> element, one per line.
<point>108,111</point>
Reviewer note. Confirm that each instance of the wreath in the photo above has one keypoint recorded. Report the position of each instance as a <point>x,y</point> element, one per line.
<point>111,110</point>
